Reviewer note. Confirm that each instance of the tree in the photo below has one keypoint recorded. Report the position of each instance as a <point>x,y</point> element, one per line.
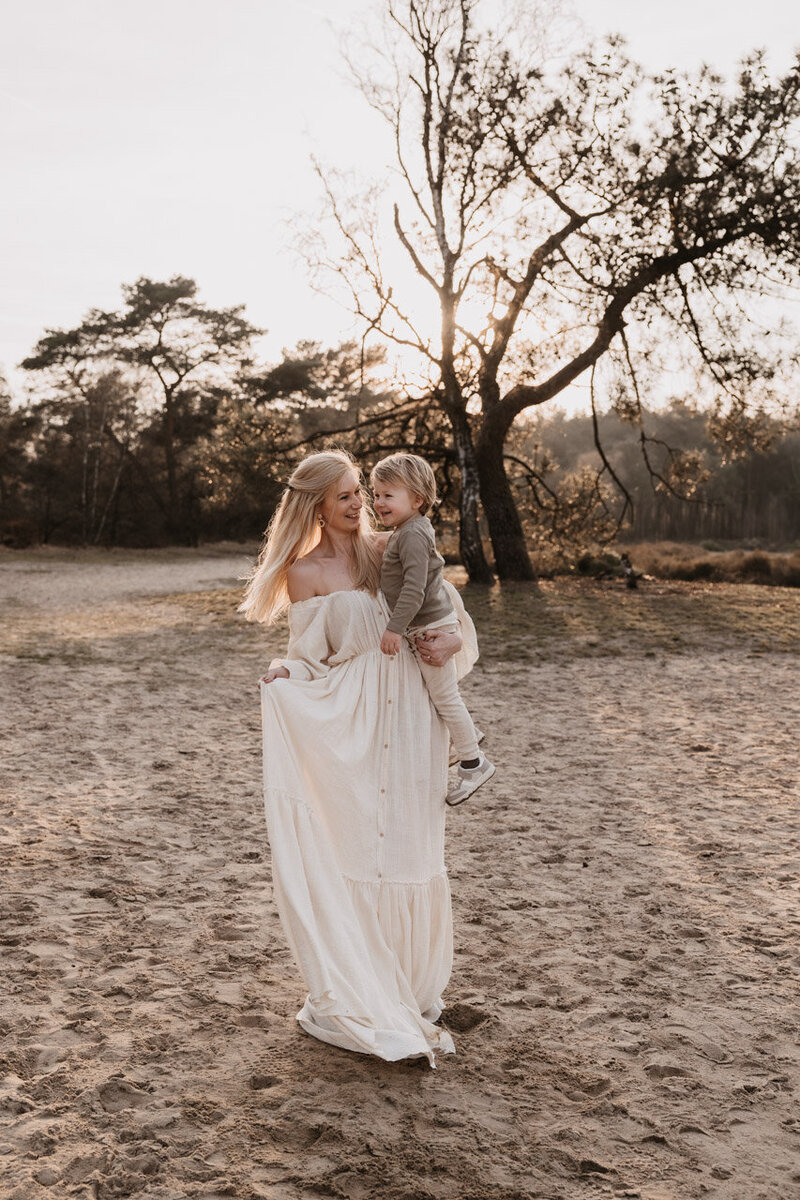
<point>172,344</point>
<point>749,493</point>
<point>311,383</point>
<point>565,220</point>
<point>85,420</point>
<point>182,344</point>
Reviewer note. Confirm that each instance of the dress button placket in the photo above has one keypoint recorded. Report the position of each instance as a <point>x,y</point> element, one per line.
<point>383,783</point>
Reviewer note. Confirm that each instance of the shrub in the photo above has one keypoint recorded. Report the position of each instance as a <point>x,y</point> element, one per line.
<point>702,569</point>
<point>19,533</point>
<point>757,564</point>
<point>671,560</point>
<point>600,565</point>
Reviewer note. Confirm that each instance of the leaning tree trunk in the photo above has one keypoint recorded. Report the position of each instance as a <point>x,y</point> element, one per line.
<point>469,541</point>
<point>511,557</point>
<point>470,545</point>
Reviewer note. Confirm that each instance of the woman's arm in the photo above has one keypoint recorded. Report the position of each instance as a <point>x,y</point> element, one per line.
<point>277,673</point>
<point>309,648</point>
<point>437,646</point>
<point>301,584</point>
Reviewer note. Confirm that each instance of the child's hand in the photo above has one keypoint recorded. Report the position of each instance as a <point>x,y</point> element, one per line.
<point>391,642</point>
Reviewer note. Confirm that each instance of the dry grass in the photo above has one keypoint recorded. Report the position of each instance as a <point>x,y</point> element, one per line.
<point>673,560</point>
<point>561,618</point>
<point>577,618</point>
<point>662,560</point>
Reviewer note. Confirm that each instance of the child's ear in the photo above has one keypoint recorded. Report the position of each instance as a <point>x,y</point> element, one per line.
<point>419,501</point>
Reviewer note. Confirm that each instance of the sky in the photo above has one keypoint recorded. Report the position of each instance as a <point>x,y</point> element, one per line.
<point>164,137</point>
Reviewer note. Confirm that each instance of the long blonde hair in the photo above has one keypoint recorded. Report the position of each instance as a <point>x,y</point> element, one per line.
<point>294,530</point>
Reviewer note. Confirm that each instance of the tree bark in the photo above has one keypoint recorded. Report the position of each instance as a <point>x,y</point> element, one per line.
<point>511,557</point>
<point>470,546</point>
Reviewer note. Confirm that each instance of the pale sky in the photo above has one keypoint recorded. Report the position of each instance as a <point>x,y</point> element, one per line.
<point>163,137</point>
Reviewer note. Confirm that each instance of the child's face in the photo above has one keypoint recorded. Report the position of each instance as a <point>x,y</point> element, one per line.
<point>394,503</point>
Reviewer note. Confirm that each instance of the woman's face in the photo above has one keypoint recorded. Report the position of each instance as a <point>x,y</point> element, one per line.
<point>341,508</point>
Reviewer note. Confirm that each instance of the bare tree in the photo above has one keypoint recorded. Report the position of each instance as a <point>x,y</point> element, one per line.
<point>567,221</point>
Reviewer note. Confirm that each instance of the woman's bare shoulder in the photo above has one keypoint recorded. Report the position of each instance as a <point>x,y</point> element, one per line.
<point>303,579</point>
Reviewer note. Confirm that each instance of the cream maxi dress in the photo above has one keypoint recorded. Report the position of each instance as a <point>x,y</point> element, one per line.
<point>355,774</point>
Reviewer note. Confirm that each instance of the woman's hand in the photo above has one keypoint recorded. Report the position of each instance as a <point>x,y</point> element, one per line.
<point>438,646</point>
<point>278,673</point>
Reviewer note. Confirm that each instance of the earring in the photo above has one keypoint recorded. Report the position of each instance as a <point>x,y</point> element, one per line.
<point>321,521</point>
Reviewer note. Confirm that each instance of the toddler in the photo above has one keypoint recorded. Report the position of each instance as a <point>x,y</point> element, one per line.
<point>404,490</point>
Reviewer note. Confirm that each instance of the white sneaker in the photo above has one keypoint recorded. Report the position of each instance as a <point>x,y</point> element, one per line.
<point>469,780</point>
<point>452,757</point>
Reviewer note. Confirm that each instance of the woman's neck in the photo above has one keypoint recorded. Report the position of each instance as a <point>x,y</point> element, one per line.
<point>334,544</point>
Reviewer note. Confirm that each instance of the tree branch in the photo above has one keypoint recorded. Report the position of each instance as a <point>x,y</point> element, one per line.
<point>523,396</point>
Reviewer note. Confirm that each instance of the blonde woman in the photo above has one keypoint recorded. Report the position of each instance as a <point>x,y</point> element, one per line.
<point>355,775</point>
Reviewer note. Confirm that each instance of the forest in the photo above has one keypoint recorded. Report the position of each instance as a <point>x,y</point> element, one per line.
<point>158,425</point>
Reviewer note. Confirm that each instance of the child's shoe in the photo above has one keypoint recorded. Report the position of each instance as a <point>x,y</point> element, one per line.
<point>469,780</point>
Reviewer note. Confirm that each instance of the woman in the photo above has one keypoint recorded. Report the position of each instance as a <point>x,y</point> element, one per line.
<point>355,774</point>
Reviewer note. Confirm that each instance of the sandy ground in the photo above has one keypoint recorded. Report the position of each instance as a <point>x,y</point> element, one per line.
<point>625,992</point>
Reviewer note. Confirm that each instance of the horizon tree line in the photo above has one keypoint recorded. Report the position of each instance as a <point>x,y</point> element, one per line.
<point>108,452</point>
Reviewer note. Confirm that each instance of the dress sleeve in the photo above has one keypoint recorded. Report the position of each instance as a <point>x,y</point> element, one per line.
<point>414,552</point>
<point>309,648</point>
<point>466,657</point>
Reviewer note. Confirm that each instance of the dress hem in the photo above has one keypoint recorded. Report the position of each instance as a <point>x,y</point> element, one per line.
<point>362,1036</point>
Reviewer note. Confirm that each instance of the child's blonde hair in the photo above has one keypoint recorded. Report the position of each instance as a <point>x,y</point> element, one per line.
<point>294,530</point>
<point>410,471</point>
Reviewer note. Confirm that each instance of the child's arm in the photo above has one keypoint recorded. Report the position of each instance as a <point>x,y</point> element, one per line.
<point>391,642</point>
<point>413,552</point>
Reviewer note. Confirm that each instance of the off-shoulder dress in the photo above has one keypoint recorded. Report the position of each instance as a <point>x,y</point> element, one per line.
<point>355,775</point>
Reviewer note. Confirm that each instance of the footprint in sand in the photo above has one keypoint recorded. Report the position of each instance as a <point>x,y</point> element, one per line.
<point>83,1166</point>
<point>461,1018</point>
<point>259,1082</point>
<point>297,1135</point>
<point>118,1094</point>
<point>664,1071</point>
<point>255,1021</point>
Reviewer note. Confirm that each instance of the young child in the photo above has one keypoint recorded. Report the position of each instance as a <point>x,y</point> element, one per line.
<point>404,490</point>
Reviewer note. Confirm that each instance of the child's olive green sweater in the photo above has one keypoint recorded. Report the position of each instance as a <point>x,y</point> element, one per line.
<point>411,576</point>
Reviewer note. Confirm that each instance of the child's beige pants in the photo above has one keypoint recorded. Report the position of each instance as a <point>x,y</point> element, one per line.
<point>442,686</point>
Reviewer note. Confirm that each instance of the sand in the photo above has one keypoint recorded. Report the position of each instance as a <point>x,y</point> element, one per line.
<point>624,998</point>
